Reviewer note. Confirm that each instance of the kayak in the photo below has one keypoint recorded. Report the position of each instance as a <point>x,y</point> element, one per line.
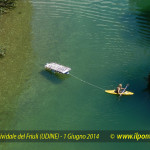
<point>113,92</point>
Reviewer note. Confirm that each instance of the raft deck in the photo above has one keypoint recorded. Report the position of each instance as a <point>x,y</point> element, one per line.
<point>57,68</point>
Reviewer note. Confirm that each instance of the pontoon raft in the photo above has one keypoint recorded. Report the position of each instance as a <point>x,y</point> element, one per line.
<point>54,67</point>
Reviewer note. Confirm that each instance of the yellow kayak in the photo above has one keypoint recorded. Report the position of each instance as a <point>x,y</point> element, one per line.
<point>113,92</point>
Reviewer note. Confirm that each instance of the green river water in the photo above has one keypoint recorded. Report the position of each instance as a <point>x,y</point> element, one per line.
<point>105,42</point>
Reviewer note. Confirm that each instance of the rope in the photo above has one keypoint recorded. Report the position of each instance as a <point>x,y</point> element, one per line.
<point>87,82</point>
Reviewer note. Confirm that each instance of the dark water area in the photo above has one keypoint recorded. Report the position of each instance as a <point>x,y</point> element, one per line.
<point>142,19</point>
<point>105,43</point>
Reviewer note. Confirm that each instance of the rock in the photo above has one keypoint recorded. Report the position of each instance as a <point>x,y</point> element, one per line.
<point>6,4</point>
<point>2,52</point>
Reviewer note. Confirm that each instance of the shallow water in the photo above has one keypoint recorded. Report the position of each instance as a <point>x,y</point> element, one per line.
<point>15,37</point>
<point>105,43</point>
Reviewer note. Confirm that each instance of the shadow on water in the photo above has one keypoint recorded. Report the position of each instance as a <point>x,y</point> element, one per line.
<point>141,10</point>
<point>139,26</point>
<point>147,89</point>
<point>55,78</point>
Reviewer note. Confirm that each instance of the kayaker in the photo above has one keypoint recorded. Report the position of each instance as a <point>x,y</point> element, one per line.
<point>119,89</point>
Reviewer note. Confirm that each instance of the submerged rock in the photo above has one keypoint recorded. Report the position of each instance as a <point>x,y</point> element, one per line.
<point>2,52</point>
<point>6,5</point>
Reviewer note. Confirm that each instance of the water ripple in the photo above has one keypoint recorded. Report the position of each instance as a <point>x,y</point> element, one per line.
<point>86,9</point>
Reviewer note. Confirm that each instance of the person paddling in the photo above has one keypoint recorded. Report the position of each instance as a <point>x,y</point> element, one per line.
<point>119,89</point>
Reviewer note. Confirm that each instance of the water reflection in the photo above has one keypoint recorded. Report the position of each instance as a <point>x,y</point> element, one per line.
<point>141,10</point>
<point>148,83</point>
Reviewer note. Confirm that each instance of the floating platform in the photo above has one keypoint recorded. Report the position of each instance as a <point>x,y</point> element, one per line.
<point>54,67</point>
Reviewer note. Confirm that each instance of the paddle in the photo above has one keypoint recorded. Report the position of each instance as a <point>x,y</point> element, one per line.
<point>124,89</point>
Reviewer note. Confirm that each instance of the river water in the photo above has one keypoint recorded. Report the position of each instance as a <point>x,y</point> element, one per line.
<point>105,43</point>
